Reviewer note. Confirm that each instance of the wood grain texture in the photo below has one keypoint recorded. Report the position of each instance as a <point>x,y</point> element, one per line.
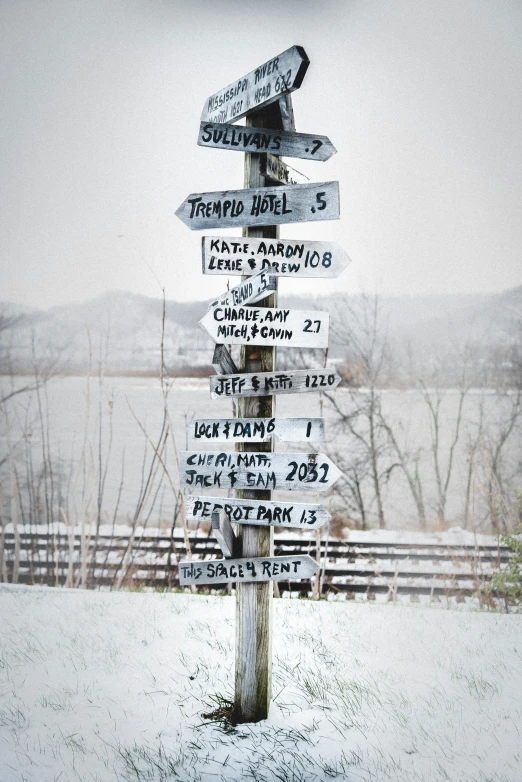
<point>286,112</point>
<point>222,361</point>
<point>305,146</point>
<point>249,291</point>
<point>256,430</point>
<point>294,381</point>
<point>257,470</point>
<point>263,326</point>
<point>247,570</point>
<point>253,670</point>
<point>258,88</point>
<point>301,515</point>
<point>223,532</point>
<point>285,257</point>
<point>261,206</point>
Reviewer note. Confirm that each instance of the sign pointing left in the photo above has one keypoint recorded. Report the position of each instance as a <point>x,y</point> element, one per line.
<point>261,206</point>
<point>267,326</point>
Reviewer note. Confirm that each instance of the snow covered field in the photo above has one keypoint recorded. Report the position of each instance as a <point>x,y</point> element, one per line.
<point>112,686</point>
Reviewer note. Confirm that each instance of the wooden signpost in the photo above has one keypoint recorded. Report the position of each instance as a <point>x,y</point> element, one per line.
<point>275,142</point>
<point>257,470</point>
<point>267,326</point>
<point>260,87</point>
<point>297,381</point>
<point>256,430</point>
<point>264,513</point>
<point>253,470</point>
<point>261,206</point>
<point>284,257</point>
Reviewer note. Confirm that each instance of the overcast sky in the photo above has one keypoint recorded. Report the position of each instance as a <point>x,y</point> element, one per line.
<point>101,102</point>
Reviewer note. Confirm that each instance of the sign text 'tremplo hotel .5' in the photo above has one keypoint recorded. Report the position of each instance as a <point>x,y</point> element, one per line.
<point>261,206</point>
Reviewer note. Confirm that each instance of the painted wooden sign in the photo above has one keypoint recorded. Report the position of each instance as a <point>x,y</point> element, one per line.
<point>275,142</point>
<point>257,470</point>
<point>266,513</point>
<point>256,430</point>
<point>223,571</point>
<point>249,291</point>
<point>261,206</point>
<point>276,171</point>
<point>280,75</point>
<point>267,326</point>
<point>297,381</point>
<point>285,257</point>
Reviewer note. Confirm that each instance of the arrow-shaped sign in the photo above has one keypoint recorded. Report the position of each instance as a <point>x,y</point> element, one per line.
<point>267,513</point>
<point>261,206</point>
<point>267,326</point>
<point>256,430</point>
<point>296,381</point>
<point>248,292</point>
<point>276,142</point>
<point>285,257</point>
<point>260,87</point>
<point>257,470</point>
<point>223,571</point>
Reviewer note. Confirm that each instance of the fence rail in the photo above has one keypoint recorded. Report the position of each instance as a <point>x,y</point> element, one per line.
<point>349,567</point>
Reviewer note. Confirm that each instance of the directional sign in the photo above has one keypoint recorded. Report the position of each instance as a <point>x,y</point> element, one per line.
<point>260,87</point>
<point>276,142</point>
<point>261,206</point>
<point>285,257</point>
<point>223,571</point>
<point>257,470</point>
<point>267,326</point>
<point>274,169</point>
<point>297,381</point>
<point>264,513</point>
<point>256,430</point>
<point>248,292</point>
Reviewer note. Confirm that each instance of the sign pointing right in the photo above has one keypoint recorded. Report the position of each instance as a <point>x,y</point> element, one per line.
<point>257,470</point>
<point>285,257</point>
<point>278,142</point>
<point>264,85</point>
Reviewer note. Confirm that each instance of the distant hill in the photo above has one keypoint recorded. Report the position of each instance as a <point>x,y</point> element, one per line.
<point>123,330</point>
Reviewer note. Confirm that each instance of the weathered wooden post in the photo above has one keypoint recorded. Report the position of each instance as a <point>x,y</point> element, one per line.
<point>253,674</point>
<point>254,470</point>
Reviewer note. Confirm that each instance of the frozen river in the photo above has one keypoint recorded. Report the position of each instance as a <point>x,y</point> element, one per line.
<point>100,439</point>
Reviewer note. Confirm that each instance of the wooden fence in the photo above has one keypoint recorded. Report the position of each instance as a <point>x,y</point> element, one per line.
<point>351,567</point>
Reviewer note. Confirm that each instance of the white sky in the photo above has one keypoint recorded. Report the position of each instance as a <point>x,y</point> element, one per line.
<point>101,102</point>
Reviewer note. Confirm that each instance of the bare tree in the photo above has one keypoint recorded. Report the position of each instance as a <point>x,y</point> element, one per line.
<point>362,328</point>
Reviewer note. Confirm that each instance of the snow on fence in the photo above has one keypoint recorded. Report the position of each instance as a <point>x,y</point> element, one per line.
<point>367,566</point>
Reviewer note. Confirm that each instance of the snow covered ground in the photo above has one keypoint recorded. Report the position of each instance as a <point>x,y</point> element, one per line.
<point>112,686</point>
